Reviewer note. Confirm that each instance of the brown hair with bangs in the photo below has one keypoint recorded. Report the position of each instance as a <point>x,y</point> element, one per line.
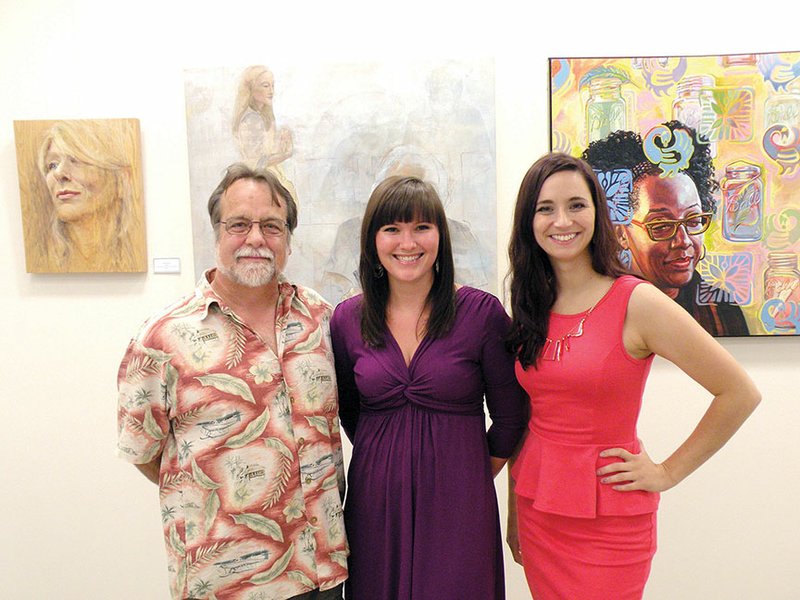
<point>403,200</point>
<point>531,279</point>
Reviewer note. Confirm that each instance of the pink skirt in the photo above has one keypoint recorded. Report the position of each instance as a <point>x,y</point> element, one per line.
<point>604,558</point>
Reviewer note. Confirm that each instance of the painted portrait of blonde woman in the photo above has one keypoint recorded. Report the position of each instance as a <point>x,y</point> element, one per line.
<point>81,195</point>
<point>262,144</point>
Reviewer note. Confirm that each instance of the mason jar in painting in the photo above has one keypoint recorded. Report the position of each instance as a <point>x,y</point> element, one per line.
<point>605,110</point>
<point>743,195</point>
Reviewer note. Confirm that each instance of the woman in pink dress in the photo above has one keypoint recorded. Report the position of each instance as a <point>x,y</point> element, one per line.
<point>582,515</point>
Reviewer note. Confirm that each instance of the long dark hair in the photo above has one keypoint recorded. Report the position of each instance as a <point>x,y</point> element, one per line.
<point>402,200</point>
<point>531,279</point>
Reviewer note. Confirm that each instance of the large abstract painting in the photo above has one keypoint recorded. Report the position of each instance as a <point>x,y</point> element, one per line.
<point>331,133</point>
<point>700,160</point>
<point>81,194</point>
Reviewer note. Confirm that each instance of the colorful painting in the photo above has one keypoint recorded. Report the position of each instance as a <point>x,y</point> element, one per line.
<point>80,188</point>
<point>331,133</point>
<point>700,160</point>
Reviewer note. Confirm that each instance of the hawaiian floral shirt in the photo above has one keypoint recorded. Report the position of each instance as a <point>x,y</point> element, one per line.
<point>251,476</point>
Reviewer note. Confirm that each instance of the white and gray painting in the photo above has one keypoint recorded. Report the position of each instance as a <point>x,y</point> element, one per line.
<point>331,133</point>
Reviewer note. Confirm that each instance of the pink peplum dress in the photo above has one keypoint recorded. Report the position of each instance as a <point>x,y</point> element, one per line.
<point>580,538</point>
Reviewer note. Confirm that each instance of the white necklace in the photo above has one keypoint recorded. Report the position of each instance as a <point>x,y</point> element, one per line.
<point>553,349</point>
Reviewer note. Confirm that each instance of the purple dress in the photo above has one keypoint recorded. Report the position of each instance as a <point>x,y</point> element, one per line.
<point>421,513</point>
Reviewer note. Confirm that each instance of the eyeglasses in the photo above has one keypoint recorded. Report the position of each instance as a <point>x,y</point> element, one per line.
<point>269,228</point>
<point>662,230</point>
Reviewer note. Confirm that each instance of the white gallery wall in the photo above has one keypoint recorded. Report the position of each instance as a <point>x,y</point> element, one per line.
<point>76,523</point>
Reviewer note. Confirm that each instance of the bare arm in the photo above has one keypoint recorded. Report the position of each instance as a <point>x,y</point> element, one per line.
<point>512,527</point>
<point>655,324</point>
<point>497,464</point>
<point>151,469</point>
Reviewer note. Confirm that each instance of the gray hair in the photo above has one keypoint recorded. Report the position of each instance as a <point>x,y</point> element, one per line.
<point>238,171</point>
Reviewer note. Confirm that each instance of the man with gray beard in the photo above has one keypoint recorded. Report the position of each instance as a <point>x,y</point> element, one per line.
<point>227,401</point>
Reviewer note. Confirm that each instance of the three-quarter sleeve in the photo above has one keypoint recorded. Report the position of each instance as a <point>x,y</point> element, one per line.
<point>505,398</point>
<point>342,327</point>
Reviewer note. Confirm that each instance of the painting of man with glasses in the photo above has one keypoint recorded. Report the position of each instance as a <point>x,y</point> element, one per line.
<point>660,188</point>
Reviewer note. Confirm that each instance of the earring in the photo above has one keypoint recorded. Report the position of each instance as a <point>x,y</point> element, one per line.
<point>626,257</point>
<point>377,273</point>
<point>703,254</point>
<point>436,266</point>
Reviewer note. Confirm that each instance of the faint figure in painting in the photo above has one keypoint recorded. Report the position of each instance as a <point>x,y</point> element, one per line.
<point>340,279</point>
<point>347,186</point>
<point>667,207</point>
<point>453,130</point>
<point>91,215</point>
<point>262,145</point>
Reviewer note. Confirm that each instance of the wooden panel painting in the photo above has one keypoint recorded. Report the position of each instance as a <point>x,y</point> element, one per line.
<point>331,132</point>
<point>700,159</point>
<point>81,195</point>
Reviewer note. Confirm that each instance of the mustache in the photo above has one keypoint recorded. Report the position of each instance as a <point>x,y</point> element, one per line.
<point>257,252</point>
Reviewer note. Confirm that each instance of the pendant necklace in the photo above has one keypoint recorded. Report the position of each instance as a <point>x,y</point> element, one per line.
<point>553,349</point>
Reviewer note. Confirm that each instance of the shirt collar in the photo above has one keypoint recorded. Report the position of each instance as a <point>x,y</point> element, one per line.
<point>205,295</point>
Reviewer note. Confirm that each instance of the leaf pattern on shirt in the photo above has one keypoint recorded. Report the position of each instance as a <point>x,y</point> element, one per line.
<point>300,307</point>
<point>278,567</point>
<point>330,482</point>
<point>281,478</point>
<point>250,433</point>
<point>175,541</point>
<point>206,554</point>
<point>301,578</point>
<point>172,482</point>
<point>201,478</point>
<point>158,356</point>
<point>141,366</point>
<point>210,510</point>
<point>151,453</point>
<point>310,344</point>
<point>170,386</point>
<point>228,384</point>
<point>132,423</point>
<point>150,426</point>
<point>259,524</point>
<point>339,557</point>
<point>320,424</point>
<point>189,308</point>
<point>187,418</point>
<point>279,446</point>
<point>237,341</point>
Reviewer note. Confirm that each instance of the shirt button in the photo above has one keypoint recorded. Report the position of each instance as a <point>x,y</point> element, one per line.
<point>313,520</point>
<point>308,478</point>
<point>301,441</point>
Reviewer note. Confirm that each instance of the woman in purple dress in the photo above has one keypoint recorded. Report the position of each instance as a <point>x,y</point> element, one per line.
<point>415,357</point>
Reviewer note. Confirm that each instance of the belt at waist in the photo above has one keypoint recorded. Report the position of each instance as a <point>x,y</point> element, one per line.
<point>561,479</point>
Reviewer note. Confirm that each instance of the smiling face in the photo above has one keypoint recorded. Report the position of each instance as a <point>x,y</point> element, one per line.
<point>78,190</point>
<point>668,264</point>
<point>250,260</point>
<point>563,220</point>
<point>408,251</point>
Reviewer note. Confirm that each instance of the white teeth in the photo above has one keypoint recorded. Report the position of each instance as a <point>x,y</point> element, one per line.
<point>565,237</point>
<point>407,258</point>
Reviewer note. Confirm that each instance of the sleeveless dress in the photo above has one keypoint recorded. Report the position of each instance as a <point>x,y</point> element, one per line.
<point>421,512</point>
<point>580,538</point>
